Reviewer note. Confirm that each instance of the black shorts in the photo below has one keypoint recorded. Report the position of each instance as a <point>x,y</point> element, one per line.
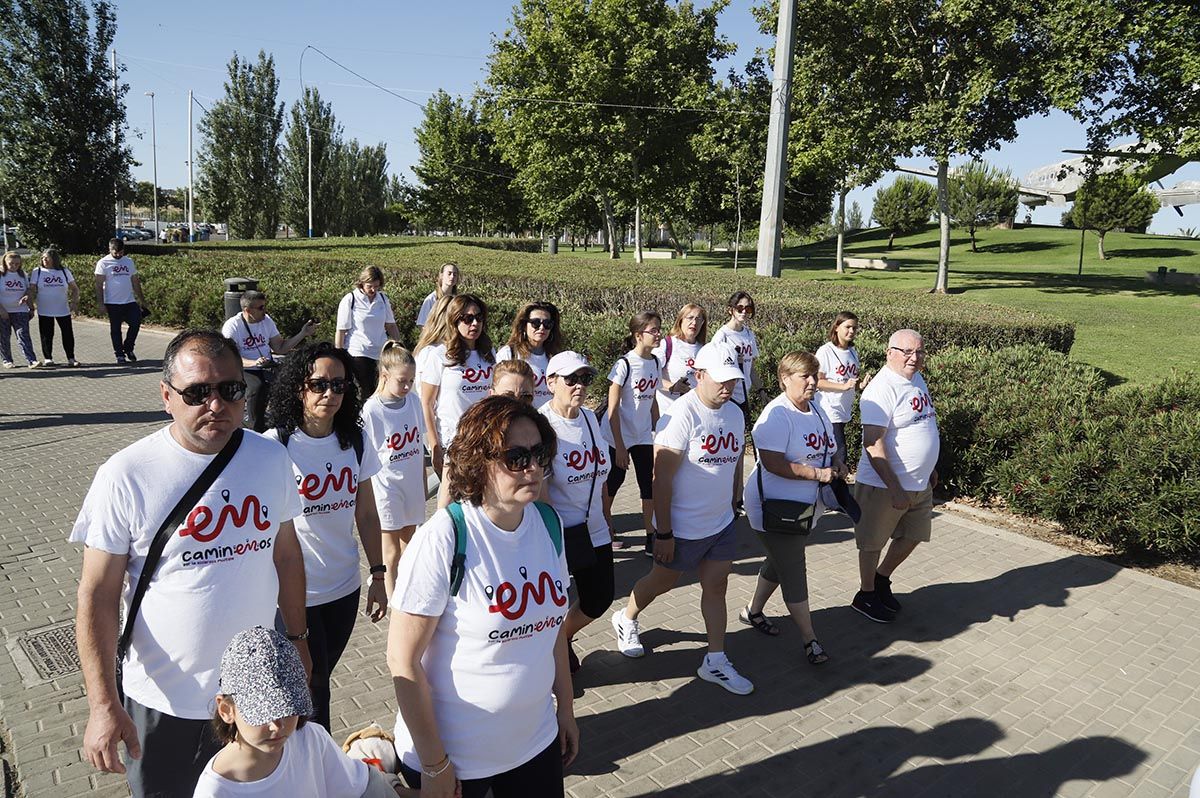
<point>641,457</point>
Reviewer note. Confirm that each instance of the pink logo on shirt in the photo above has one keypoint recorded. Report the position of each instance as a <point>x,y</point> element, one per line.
<point>814,441</point>
<point>921,403</point>
<point>253,341</point>
<point>202,515</point>
<point>475,375</point>
<point>120,269</point>
<point>582,459</point>
<point>314,486</point>
<point>847,370</point>
<point>715,444</point>
<point>505,595</point>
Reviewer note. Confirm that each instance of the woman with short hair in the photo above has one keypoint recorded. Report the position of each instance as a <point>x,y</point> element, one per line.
<point>536,337</point>
<point>365,322</point>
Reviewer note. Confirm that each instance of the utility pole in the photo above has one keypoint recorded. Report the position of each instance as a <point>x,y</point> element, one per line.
<point>308,129</point>
<point>191,199</point>
<point>775,173</point>
<point>116,134</point>
<point>154,158</point>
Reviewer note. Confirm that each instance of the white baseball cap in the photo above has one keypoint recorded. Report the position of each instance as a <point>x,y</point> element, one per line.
<point>719,361</point>
<point>568,363</point>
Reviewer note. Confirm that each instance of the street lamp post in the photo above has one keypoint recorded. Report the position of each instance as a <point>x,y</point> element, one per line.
<point>154,158</point>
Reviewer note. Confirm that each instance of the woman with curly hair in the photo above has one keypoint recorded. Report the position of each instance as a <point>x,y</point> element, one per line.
<point>536,337</point>
<point>477,648</point>
<point>458,372</point>
<point>314,413</point>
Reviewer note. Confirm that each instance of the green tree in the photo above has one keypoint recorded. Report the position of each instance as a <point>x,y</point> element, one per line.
<point>904,207</point>
<point>363,183</point>
<point>854,221</point>
<point>981,195</point>
<point>580,91</point>
<point>63,156</point>
<point>311,114</point>
<point>1110,201</point>
<point>239,153</point>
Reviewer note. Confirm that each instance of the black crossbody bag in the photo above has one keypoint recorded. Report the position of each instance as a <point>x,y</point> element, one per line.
<point>576,539</point>
<point>203,482</point>
<point>784,516</point>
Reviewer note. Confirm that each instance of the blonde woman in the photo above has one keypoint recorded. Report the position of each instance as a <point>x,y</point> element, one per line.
<point>14,311</point>
<point>54,295</point>
<point>447,285</point>
<point>677,351</point>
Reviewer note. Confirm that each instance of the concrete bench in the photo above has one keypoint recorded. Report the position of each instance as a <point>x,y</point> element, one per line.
<point>881,264</point>
<point>658,253</point>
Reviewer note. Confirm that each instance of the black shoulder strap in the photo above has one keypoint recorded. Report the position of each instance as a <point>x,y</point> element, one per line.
<point>203,482</point>
<point>628,369</point>
<point>358,447</point>
<point>284,435</point>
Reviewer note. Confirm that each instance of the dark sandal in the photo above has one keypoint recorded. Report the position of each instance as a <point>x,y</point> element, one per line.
<point>815,653</point>
<point>759,621</point>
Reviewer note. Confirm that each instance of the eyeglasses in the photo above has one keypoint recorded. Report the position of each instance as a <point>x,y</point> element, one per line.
<point>520,458</point>
<point>538,324</point>
<point>909,352</point>
<point>258,307</point>
<point>744,308</point>
<point>657,333</point>
<point>470,318</point>
<point>583,379</point>
<point>321,385</point>
<point>198,394</point>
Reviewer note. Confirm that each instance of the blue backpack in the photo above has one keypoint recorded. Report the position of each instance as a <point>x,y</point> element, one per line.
<point>458,566</point>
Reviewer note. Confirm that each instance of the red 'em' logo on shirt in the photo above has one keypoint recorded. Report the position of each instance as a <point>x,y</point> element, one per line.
<point>714,443</point>
<point>399,440</point>
<point>581,459</point>
<point>314,486</point>
<point>921,403</point>
<point>475,375</point>
<point>505,595</point>
<point>201,516</point>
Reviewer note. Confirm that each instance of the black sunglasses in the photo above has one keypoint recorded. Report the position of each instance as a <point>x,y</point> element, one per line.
<point>321,385</point>
<point>538,324</point>
<point>196,395</point>
<point>470,318</point>
<point>584,379</point>
<point>519,458</point>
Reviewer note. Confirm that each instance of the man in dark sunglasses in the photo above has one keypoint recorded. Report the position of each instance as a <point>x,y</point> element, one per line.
<point>236,541</point>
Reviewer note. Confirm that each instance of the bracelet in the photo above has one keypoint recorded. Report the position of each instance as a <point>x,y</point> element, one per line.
<point>668,535</point>
<point>378,569</point>
<point>436,770</point>
<point>302,636</point>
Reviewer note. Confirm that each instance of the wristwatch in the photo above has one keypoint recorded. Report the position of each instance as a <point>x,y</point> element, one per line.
<point>378,569</point>
<point>302,636</point>
<point>668,535</point>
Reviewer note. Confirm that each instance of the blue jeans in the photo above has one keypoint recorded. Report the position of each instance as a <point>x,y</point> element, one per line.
<point>20,323</point>
<point>130,314</point>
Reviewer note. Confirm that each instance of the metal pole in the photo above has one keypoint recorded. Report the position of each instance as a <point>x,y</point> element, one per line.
<point>191,198</point>
<point>116,189</point>
<point>310,225</point>
<point>775,172</point>
<point>154,158</point>
<point>1082,235</point>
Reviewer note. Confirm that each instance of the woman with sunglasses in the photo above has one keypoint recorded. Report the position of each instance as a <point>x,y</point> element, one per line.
<point>632,415</point>
<point>536,337</point>
<point>576,489</point>
<point>737,333</point>
<point>477,662</point>
<point>314,412</point>
<point>458,372</point>
<point>678,354</point>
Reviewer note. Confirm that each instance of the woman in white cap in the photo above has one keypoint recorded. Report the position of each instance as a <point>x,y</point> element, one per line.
<point>576,489</point>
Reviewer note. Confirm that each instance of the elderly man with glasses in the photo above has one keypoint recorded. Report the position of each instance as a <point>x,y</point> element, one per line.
<point>896,473</point>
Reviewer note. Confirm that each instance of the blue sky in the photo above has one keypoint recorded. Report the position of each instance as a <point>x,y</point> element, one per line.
<point>413,48</point>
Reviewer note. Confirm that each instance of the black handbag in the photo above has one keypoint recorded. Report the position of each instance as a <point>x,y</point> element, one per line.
<point>784,516</point>
<point>576,539</point>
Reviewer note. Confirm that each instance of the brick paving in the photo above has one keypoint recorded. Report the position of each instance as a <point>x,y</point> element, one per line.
<point>1017,668</point>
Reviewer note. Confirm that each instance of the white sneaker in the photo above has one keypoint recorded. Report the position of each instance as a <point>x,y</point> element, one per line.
<point>629,641</point>
<point>8,364</point>
<point>73,363</point>
<point>719,670</point>
<point>33,364</point>
<point>48,362</point>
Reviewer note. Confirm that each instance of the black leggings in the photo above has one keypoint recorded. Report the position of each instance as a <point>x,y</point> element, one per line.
<point>366,373</point>
<point>641,457</point>
<point>541,776</point>
<point>594,584</point>
<point>46,331</point>
<point>329,628</point>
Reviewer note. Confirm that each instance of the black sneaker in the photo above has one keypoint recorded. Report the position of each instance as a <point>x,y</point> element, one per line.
<point>868,604</point>
<point>883,590</point>
<point>120,360</point>
<point>129,354</point>
<point>572,659</point>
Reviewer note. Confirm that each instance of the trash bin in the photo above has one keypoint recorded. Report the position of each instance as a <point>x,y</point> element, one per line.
<point>234,288</point>
<point>553,245</point>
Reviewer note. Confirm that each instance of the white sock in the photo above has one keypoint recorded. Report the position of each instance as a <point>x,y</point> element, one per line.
<point>714,657</point>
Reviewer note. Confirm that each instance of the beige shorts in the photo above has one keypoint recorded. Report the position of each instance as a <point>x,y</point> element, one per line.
<point>881,521</point>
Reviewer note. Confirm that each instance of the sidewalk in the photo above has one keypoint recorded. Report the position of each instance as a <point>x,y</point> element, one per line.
<point>1017,668</point>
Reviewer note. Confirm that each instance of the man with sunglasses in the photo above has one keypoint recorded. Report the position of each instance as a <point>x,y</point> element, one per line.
<point>228,566</point>
<point>896,473</point>
<point>259,340</point>
<point>696,451</point>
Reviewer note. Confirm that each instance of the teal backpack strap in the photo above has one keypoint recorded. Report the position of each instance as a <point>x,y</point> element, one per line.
<point>458,566</point>
<point>553,524</point>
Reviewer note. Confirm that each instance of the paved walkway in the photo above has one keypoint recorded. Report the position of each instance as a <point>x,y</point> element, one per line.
<point>1017,668</point>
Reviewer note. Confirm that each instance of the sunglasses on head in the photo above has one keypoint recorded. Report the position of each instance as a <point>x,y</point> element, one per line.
<point>470,318</point>
<point>519,458</point>
<point>538,324</point>
<point>321,385</point>
<point>585,378</point>
<point>198,394</point>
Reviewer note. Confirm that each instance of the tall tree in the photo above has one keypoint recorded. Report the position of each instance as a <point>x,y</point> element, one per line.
<point>239,154</point>
<point>311,114</point>
<point>363,182</point>
<point>590,98</point>
<point>1108,201</point>
<point>980,195</point>
<point>62,132</point>
<point>904,206</point>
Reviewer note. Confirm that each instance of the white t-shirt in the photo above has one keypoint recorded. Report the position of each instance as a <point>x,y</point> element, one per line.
<point>639,378</point>
<point>711,442</point>
<point>840,366</point>
<point>571,483</point>
<point>312,765</point>
<point>680,366</point>
<point>216,576</point>
<point>746,346</point>
<point>537,362</point>
<point>118,279</point>
<point>490,663</point>
<point>903,408</point>
<point>426,308</point>
<point>802,437</point>
<point>395,428</point>
<point>460,387</point>
<point>326,477</point>
<point>253,339</point>
<point>52,290</point>
<point>364,320</point>
<point>13,286</point>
